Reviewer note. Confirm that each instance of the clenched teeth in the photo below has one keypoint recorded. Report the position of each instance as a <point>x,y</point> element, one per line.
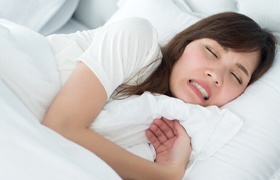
<point>200,89</point>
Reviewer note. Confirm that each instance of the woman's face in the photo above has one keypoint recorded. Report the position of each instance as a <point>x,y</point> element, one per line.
<point>208,74</point>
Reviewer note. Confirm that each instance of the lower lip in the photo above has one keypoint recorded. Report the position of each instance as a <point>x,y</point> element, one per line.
<point>196,91</point>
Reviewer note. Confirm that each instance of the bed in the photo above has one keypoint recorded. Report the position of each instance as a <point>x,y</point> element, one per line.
<point>32,151</point>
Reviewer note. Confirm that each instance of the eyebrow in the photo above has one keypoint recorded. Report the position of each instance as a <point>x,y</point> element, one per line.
<point>240,66</point>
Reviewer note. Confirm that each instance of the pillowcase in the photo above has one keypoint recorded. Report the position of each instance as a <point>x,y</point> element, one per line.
<point>26,61</point>
<point>40,15</point>
<point>265,13</point>
<point>60,18</point>
<point>254,152</point>
<point>167,18</point>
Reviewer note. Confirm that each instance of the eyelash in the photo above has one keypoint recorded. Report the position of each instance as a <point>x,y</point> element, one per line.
<point>215,55</point>
<point>237,78</point>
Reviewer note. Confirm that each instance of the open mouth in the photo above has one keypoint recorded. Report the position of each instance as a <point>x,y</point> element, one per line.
<point>203,92</point>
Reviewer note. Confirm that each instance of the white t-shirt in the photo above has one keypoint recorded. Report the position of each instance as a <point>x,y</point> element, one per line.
<point>115,53</point>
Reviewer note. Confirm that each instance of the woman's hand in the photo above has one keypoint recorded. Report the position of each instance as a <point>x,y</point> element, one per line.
<point>171,142</point>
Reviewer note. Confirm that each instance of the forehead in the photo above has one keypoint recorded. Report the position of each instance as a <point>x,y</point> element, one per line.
<point>249,60</point>
<point>216,43</point>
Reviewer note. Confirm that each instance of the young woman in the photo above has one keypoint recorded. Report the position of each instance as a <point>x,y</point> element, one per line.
<point>210,63</point>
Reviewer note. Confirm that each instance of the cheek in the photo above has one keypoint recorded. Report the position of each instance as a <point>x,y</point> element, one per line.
<point>189,62</point>
<point>179,68</point>
<point>230,94</point>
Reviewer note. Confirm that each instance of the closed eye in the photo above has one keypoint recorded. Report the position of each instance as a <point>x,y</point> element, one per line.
<point>215,55</point>
<point>239,80</point>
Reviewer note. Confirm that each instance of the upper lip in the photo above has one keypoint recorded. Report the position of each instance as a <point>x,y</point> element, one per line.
<point>203,88</point>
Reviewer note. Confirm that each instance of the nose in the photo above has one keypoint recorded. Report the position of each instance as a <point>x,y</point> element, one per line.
<point>216,76</point>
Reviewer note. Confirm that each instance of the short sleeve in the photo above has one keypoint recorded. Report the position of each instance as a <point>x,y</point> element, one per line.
<point>120,50</point>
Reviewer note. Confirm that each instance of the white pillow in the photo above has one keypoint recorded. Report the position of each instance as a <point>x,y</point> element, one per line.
<point>60,18</point>
<point>26,61</point>
<point>40,15</point>
<point>264,12</point>
<point>254,153</point>
<point>167,18</point>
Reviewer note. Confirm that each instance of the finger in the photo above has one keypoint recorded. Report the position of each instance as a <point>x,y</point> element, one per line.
<point>170,123</point>
<point>158,132</point>
<point>167,127</point>
<point>152,138</point>
<point>181,130</point>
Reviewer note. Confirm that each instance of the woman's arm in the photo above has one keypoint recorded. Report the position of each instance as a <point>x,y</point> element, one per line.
<point>73,110</point>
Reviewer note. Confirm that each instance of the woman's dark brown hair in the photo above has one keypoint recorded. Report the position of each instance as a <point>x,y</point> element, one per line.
<point>231,30</point>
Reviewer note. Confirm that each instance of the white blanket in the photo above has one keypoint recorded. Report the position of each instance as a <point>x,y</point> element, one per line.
<point>125,121</point>
<point>28,82</point>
